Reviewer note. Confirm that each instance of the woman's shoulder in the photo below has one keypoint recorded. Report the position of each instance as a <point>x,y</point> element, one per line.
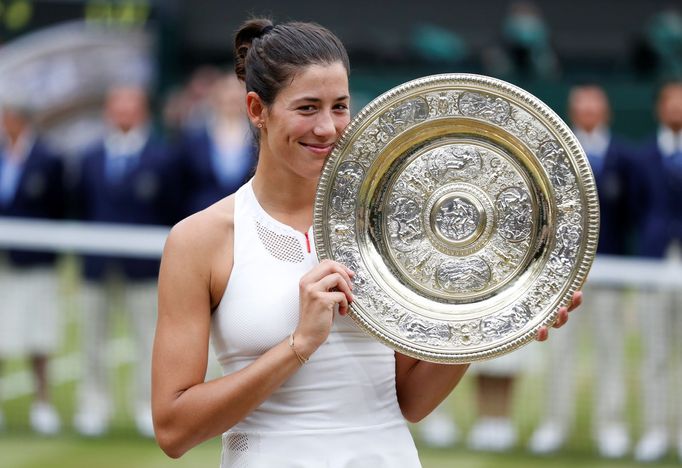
<point>204,230</point>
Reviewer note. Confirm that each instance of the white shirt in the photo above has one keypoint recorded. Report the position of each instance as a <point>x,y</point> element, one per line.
<point>669,142</point>
<point>596,142</point>
<point>126,144</point>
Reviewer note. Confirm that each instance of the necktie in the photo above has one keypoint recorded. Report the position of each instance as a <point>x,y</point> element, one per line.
<point>118,166</point>
<point>9,180</point>
<point>673,163</point>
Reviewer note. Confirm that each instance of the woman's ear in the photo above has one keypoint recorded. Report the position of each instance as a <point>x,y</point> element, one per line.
<point>256,109</point>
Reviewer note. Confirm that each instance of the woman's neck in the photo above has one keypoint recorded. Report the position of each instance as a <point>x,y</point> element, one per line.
<point>285,196</point>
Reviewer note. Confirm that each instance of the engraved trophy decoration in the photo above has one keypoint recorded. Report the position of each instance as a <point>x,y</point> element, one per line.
<point>468,211</point>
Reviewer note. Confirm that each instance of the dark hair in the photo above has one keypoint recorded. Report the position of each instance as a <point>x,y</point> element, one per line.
<point>267,57</point>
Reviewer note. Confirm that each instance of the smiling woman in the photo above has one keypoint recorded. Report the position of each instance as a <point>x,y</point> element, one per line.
<point>303,386</point>
<point>300,128</point>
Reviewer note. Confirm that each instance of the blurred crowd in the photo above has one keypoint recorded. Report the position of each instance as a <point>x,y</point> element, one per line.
<point>142,175</point>
<point>133,176</point>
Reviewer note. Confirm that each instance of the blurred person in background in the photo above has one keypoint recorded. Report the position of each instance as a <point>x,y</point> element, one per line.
<point>439,429</point>
<point>219,157</point>
<point>31,186</point>
<point>493,429</point>
<point>129,177</point>
<point>188,108</point>
<point>658,48</point>
<point>612,166</point>
<point>660,238</point>
<point>525,39</point>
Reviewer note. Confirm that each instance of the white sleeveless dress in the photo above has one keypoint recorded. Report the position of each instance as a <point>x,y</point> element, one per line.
<point>340,409</point>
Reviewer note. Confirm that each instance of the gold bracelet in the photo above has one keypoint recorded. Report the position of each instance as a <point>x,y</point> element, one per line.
<point>300,358</point>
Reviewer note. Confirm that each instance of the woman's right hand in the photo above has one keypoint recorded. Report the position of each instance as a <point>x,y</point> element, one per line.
<point>320,290</point>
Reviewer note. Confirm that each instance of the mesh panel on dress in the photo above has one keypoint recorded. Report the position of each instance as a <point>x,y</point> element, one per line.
<point>238,442</point>
<point>280,246</point>
<point>237,449</point>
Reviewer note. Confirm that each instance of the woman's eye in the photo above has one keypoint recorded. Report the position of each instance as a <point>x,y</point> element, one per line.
<point>308,108</point>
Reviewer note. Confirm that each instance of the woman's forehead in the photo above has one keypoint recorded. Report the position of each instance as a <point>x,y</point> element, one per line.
<point>318,81</point>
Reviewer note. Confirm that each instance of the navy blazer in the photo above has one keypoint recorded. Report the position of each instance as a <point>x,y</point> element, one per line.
<point>662,196</point>
<point>616,185</point>
<point>40,193</point>
<point>203,186</point>
<point>148,194</point>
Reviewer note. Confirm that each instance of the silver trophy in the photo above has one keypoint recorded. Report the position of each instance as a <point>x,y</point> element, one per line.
<point>468,211</point>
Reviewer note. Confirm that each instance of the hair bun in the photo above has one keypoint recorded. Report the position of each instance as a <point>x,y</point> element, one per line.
<point>246,34</point>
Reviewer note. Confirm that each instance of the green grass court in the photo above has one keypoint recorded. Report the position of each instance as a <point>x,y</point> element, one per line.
<point>23,450</point>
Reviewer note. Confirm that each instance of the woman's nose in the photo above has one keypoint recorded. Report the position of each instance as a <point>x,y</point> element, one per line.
<point>325,125</point>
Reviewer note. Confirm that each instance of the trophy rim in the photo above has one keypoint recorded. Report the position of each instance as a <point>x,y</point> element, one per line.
<point>530,103</point>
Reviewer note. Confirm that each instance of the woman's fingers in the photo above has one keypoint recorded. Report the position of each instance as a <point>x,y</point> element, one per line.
<point>576,301</point>
<point>326,268</point>
<point>543,334</point>
<point>340,299</point>
<point>562,318</point>
<point>336,281</point>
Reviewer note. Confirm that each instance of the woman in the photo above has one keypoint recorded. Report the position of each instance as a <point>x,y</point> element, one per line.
<point>302,386</point>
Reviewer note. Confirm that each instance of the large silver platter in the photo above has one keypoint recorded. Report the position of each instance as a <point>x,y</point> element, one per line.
<point>468,211</point>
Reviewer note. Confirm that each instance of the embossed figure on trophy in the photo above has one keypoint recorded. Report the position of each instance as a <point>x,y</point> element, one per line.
<point>568,240</point>
<point>404,223</point>
<point>467,333</point>
<point>453,162</point>
<point>463,276</point>
<point>404,115</point>
<point>514,208</point>
<point>442,104</point>
<point>496,110</point>
<point>425,267</point>
<point>351,258</point>
<point>554,160</point>
<point>457,219</point>
<point>424,330</point>
<point>415,182</point>
<point>348,179</point>
<point>498,171</point>
<point>507,258</point>
<point>505,323</point>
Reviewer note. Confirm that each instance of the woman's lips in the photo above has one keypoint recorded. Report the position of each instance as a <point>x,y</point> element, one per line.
<point>318,149</point>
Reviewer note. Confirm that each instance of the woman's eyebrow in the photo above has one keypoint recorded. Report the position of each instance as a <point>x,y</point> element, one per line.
<point>316,99</point>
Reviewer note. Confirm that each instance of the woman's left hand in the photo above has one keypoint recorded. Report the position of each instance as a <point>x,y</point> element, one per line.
<point>562,318</point>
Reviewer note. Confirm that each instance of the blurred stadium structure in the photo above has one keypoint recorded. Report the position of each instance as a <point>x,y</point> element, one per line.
<point>61,72</point>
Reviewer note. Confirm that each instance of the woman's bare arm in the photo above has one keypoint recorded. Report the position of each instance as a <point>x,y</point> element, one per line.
<point>186,409</point>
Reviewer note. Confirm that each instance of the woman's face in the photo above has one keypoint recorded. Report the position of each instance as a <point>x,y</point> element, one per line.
<point>306,119</point>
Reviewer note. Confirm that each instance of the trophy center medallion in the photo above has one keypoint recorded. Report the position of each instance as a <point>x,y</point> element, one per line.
<point>457,218</point>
